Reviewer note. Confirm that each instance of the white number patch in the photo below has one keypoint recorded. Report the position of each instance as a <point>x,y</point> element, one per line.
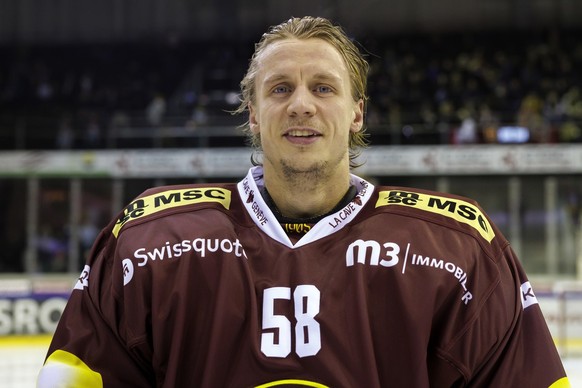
<point>307,332</point>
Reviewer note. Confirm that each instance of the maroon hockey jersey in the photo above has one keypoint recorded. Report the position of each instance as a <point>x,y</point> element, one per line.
<point>200,286</point>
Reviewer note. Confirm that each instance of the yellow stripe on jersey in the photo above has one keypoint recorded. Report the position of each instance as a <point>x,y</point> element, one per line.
<point>64,369</point>
<point>293,382</point>
<point>562,383</point>
<point>154,203</point>
<point>456,209</point>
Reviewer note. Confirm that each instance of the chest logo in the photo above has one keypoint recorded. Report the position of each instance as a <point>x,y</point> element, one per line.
<point>373,253</point>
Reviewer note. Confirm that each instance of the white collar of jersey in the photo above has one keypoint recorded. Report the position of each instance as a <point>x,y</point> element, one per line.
<point>262,215</point>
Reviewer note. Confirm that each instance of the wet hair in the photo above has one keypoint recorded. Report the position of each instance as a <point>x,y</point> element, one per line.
<point>306,28</point>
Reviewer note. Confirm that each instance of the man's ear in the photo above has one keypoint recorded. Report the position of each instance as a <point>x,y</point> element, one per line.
<point>253,120</point>
<point>358,121</point>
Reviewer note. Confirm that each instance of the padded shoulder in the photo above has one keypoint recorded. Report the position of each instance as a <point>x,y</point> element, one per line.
<point>160,199</point>
<point>436,205</point>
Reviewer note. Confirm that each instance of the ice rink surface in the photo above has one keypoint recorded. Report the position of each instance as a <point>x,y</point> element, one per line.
<point>20,361</point>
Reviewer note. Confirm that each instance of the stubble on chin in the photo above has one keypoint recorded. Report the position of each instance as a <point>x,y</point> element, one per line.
<point>315,172</point>
<point>303,172</point>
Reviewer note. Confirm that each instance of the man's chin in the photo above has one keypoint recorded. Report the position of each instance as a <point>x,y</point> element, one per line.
<point>301,169</point>
<point>303,166</point>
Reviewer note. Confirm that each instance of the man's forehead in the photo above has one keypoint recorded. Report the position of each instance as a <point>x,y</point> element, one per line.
<point>294,46</point>
<point>315,56</point>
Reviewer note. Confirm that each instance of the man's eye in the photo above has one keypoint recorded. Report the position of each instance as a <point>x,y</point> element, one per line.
<point>280,89</point>
<point>323,89</point>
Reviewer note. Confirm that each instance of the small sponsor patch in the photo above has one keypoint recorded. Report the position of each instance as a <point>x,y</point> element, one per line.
<point>528,297</point>
<point>83,280</point>
<point>127,265</point>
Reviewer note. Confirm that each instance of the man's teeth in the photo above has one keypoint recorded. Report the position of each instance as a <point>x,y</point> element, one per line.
<point>300,133</point>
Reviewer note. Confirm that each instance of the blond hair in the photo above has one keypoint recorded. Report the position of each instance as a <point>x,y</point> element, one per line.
<point>306,28</point>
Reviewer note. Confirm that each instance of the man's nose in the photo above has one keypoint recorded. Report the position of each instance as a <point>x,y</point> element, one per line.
<point>301,103</point>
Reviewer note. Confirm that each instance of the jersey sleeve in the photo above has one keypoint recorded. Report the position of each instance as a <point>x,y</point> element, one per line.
<point>521,351</point>
<point>93,345</point>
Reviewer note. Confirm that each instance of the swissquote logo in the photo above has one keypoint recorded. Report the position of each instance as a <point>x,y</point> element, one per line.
<point>154,203</point>
<point>172,251</point>
<point>456,209</point>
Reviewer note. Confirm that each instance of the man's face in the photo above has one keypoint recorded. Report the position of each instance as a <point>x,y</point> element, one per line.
<point>304,110</point>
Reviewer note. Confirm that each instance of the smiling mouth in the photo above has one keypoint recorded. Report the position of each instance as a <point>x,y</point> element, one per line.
<point>301,133</point>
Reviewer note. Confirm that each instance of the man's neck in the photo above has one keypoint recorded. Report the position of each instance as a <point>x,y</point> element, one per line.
<point>310,220</point>
<point>305,197</point>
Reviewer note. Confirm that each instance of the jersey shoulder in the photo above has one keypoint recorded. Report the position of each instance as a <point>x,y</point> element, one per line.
<point>165,200</point>
<point>449,210</point>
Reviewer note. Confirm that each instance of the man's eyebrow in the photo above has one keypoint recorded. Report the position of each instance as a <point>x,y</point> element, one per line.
<point>273,78</point>
<point>328,76</point>
<point>322,77</point>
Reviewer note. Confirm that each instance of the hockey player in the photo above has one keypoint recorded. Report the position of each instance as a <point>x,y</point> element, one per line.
<point>302,274</point>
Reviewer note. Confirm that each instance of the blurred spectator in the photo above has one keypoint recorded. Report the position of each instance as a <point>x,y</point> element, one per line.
<point>488,124</point>
<point>92,137</point>
<point>554,114</point>
<point>467,132</point>
<point>65,135</point>
<point>119,119</point>
<point>86,87</point>
<point>199,113</point>
<point>155,110</point>
<point>570,132</point>
<point>52,250</point>
<point>530,116</point>
<point>89,228</point>
<point>44,90</point>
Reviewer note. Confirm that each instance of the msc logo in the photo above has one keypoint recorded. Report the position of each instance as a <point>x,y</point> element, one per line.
<point>372,253</point>
<point>169,199</point>
<point>456,209</point>
<point>403,197</point>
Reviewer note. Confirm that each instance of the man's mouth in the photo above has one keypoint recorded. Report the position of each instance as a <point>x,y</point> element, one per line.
<point>301,133</point>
